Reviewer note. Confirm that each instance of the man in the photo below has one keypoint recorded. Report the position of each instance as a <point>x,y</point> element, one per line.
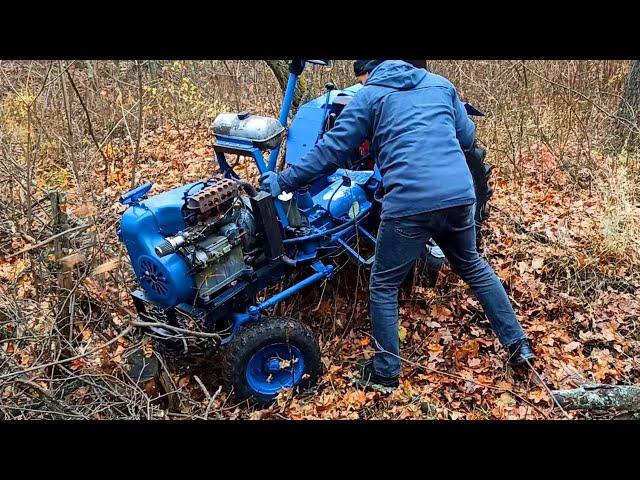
<point>418,128</point>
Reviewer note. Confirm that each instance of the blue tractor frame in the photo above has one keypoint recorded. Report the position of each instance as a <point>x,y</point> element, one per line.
<point>324,218</point>
<point>329,234</point>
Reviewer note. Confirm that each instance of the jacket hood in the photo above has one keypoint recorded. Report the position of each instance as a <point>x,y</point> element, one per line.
<point>396,74</point>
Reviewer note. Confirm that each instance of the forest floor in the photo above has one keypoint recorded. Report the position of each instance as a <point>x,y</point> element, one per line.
<point>574,290</point>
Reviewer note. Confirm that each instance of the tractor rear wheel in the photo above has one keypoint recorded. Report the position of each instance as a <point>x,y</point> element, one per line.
<point>270,355</point>
<point>429,266</point>
<point>481,173</point>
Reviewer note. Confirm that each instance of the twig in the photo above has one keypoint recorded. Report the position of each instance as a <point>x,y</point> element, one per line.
<point>50,239</point>
<point>70,359</point>
<point>139,132</point>
<point>90,127</point>
<point>630,125</point>
<point>202,387</point>
<point>554,400</point>
<point>211,401</point>
<point>138,323</point>
<point>43,392</point>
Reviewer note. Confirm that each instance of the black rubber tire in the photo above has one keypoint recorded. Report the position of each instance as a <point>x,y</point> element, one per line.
<point>429,268</point>
<point>481,173</point>
<point>255,335</point>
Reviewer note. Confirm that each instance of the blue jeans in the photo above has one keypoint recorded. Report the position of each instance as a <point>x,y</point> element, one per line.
<point>400,243</point>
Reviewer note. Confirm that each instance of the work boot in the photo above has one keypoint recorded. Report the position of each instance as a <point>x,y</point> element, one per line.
<point>369,379</point>
<point>520,352</point>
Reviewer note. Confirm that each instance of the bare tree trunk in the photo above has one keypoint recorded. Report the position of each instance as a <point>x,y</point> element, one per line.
<point>59,223</point>
<point>280,69</point>
<point>627,138</point>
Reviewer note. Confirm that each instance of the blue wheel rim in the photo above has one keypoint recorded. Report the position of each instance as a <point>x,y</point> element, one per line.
<point>274,367</point>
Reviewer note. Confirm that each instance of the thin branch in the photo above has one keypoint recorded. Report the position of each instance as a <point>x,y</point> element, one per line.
<point>70,359</point>
<point>50,239</point>
<point>633,127</point>
<point>139,132</point>
<point>90,127</point>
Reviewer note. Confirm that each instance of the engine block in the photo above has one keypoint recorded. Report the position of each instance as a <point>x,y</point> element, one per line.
<point>214,197</point>
<point>186,244</point>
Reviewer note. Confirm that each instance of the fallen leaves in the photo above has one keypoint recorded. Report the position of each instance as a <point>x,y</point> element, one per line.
<point>538,395</point>
<point>105,267</point>
<point>570,347</point>
<point>402,333</point>
<point>539,239</point>
<point>507,399</point>
<point>537,263</point>
<point>355,400</point>
<point>78,364</point>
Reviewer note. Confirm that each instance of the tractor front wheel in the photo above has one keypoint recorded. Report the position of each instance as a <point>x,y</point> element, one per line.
<point>270,355</point>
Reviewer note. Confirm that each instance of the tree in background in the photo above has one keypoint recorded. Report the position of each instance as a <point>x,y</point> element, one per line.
<point>628,125</point>
<point>280,69</point>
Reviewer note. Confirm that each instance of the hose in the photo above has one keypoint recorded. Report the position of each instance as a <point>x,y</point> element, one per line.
<point>247,187</point>
<point>289,261</point>
<point>326,233</point>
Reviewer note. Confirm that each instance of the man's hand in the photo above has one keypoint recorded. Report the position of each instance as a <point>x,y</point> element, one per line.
<point>269,182</point>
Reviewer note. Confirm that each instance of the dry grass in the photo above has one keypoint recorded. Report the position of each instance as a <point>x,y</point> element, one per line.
<point>620,222</point>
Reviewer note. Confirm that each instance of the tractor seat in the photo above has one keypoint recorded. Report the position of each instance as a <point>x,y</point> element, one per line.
<point>341,100</point>
<point>337,105</point>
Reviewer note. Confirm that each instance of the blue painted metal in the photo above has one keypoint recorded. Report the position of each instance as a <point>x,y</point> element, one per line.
<point>322,272</point>
<point>359,230</point>
<point>324,233</point>
<point>345,196</point>
<point>274,367</point>
<point>132,196</point>
<point>304,200</point>
<point>167,280</point>
<point>307,124</point>
<point>247,148</point>
<point>238,320</point>
<point>289,94</point>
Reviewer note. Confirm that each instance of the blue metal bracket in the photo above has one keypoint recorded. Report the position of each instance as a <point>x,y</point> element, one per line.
<point>284,115</point>
<point>322,272</point>
<point>241,146</point>
<point>355,255</point>
<point>239,319</point>
<point>134,195</point>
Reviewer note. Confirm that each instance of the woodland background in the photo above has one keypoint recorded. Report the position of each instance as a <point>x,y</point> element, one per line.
<point>563,235</point>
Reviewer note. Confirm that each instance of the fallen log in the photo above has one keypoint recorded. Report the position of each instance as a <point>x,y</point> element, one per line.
<point>598,396</point>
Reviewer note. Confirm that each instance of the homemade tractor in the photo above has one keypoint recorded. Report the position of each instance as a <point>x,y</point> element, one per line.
<point>204,252</point>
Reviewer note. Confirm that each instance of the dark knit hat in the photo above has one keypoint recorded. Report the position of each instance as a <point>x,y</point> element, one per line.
<point>360,67</point>
<point>417,63</point>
